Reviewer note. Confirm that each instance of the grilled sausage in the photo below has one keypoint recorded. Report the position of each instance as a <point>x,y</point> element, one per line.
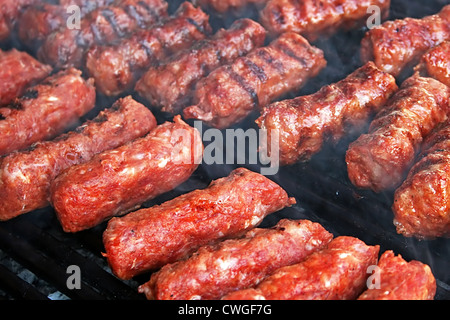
<point>150,238</point>
<point>116,68</point>
<point>234,264</point>
<point>10,11</point>
<point>19,71</point>
<point>170,85</point>
<point>401,280</point>
<point>226,6</point>
<point>396,45</point>
<point>26,176</point>
<point>436,63</point>
<point>39,20</point>
<point>305,123</point>
<point>67,47</point>
<point>379,159</point>
<point>422,204</point>
<point>337,272</point>
<point>45,110</point>
<point>317,18</point>
<point>229,93</point>
<point>120,180</point>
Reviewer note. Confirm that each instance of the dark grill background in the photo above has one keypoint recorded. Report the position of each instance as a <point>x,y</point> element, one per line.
<point>35,253</point>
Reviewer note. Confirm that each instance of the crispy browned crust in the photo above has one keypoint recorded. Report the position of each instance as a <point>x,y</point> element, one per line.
<point>229,93</point>
<point>305,123</point>
<point>398,44</point>
<point>380,159</point>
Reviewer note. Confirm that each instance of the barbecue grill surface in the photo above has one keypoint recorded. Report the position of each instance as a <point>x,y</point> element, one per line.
<point>35,253</point>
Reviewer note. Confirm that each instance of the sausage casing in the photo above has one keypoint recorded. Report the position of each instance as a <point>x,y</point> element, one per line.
<point>229,93</point>
<point>67,47</point>
<point>315,18</point>
<point>39,20</point>
<point>116,68</point>
<point>396,45</point>
<point>234,264</point>
<point>305,123</point>
<point>170,85</point>
<point>337,272</point>
<point>435,63</point>
<point>19,71</point>
<point>120,180</point>
<point>401,280</point>
<point>26,176</point>
<point>422,203</point>
<point>147,239</point>
<point>380,159</point>
<point>45,110</point>
<point>10,11</point>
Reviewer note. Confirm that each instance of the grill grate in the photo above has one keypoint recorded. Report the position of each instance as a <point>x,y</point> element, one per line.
<point>35,253</point>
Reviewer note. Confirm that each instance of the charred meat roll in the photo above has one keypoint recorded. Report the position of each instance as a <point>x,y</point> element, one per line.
<point>149,238</point>
<point>396,45</point>
<point>315,18</point>
<point>234,264</point>
<point>422,203</point>
<point>231,92</point>
<point>116,68</point>
<point>10,11</point>
<point>337,272</point>
<point>45,110</point>
<point>170,85</point>
<point>120,180</point>
<point>67,47</point>
<point>436,63</point>
<point>39,20</point>
<point>380,159</point>
<point>303,124</point>
<point>19,71</point>
<point>401,280</point>
<point>25,177</point>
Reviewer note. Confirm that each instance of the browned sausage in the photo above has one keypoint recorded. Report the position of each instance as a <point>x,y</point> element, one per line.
<point>401,280</point>
<point>316,18</point>
<point>117,67</point>
<point>422,203</point>
<point>120,180</point>
<point>45,110</point>
<point>19,71</point>
<point>25,177</point>
<point>436,63</point>
<point>150,238</point>
<point>234,264</point>
<point>229,93</point>
<point>39,20</point>
<point>305,123</point>
<point>379,160</point>
<point>337,272</point>
<point>10,11</point>
<point>396,45</point>
<point>170,86</point>
<point>67,47</point>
